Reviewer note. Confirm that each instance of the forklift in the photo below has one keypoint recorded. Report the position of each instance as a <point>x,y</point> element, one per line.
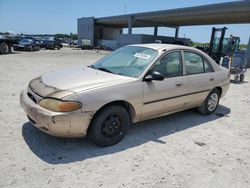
<point>226,52</point>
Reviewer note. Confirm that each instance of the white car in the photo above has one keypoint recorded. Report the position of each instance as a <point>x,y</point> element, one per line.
<point>132,84</point>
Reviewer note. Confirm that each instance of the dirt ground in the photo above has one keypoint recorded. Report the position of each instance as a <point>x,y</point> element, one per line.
<point>182,150</point>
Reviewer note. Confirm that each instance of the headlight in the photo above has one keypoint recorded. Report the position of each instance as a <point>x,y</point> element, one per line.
<point>56,105</point>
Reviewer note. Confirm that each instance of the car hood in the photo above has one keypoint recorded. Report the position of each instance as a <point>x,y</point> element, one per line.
<point>65,82</point>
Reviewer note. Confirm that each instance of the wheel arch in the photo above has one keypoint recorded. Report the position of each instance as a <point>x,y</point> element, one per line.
<point>219,89</point>
<point>127,105</point>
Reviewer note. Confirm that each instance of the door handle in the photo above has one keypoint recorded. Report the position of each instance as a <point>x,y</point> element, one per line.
<point>179,84</point>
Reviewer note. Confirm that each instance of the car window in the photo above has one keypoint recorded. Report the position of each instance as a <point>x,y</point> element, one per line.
<point>25,41</point>
<point>128,61</point>
<point>169,65</point>
<point>194,63</point>
<point>208,67</point>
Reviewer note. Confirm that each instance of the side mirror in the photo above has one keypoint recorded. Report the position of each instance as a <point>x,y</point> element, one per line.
<point>155,75</point>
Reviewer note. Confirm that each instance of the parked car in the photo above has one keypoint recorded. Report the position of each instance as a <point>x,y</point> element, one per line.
<point>73,42</point>
<point>51,43</point>
<point>27,43</point>
<point>6,43</point>
<point>132,84</point>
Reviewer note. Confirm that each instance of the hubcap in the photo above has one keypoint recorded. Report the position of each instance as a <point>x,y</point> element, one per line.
<point>111,126</point>
<point>212,102</point>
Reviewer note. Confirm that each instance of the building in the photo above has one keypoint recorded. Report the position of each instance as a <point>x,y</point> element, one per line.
<point>108,30</point>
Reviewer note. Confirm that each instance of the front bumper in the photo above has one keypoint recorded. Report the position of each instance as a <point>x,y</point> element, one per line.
<point>71,124</point>
<point>22,48</point>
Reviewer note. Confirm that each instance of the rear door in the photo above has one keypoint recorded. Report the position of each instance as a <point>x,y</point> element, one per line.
<point>200,77</point>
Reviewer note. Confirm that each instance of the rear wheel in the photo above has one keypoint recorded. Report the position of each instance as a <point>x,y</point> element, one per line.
<point>211,102</point>
<point>236,78</point>
<point>4,48</point>
<point>109,126</point>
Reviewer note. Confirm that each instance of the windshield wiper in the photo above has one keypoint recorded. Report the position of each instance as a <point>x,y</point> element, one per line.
<point>101,69</point>
<point>104,69</point>
<point>92,66</point>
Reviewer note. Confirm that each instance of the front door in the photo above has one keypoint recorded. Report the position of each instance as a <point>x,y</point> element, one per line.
<point>165,96</point>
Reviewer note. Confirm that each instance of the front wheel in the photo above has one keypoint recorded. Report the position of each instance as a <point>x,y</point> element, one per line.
<point>109,126</point>
<point>211,102</point>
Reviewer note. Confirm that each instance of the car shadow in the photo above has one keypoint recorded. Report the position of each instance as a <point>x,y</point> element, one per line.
<point>234,82</point>
<point>61,151</point>
<point>15,52</point>
<point>77,48</point>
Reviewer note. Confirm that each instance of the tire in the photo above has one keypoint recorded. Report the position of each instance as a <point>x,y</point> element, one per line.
<point>211,102</point>
<point>242,77</point>
<point>109,126</point>
<point>4,48</point>
<point>236,78</point>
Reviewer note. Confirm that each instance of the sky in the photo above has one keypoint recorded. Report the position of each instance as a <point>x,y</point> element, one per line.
<point>60,16</point>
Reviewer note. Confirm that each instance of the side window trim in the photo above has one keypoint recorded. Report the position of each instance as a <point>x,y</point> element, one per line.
<point>164,54</point>
<point>184,69</point>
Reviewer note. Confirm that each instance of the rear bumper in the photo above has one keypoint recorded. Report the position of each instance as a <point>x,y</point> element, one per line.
<point>224,89</point>
<point>72,124</point>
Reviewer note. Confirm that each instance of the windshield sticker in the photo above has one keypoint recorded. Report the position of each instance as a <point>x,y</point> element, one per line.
<point>143,56</point>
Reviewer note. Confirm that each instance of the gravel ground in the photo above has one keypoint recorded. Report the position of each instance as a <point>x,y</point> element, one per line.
<point>181,150</point>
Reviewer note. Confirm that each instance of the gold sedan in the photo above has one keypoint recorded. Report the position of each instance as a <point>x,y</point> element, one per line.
<point>132,84</point>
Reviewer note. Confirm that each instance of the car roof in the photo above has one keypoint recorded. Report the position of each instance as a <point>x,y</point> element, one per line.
<point>161,46</point>
<point>166,47</point>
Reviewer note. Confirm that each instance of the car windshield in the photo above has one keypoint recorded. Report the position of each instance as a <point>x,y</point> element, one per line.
<point>128,61</point>
<point>25,41</point>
